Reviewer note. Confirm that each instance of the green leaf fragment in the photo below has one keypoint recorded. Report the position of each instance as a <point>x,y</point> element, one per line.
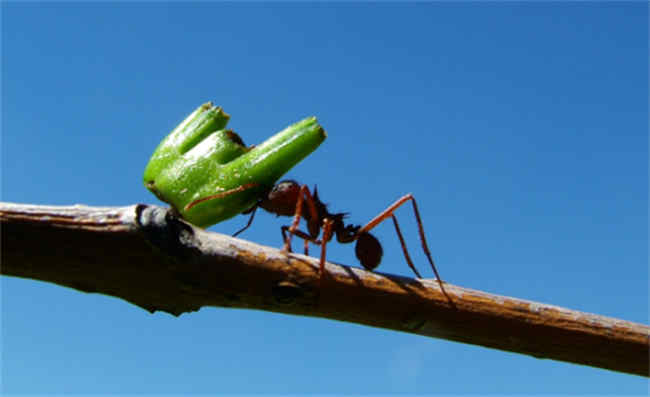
<point>199,158</point>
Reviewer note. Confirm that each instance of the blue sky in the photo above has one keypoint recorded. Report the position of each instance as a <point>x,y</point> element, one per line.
<point>521,129</point>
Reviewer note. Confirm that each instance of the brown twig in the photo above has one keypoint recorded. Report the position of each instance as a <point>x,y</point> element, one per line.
<point>146,256</point>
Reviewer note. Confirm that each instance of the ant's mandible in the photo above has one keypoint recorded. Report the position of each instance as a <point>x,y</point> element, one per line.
<point>288,198</point>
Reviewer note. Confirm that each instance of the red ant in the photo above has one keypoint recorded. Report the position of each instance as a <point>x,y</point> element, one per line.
<point>287,198</point>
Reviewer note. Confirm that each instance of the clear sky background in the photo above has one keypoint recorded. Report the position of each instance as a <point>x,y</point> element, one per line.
<point>522,130</point>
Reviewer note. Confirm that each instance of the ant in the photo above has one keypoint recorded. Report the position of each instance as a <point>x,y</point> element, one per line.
<point>287,198</point>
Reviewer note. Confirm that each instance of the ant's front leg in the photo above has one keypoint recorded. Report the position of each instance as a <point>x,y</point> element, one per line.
<point>313,218</point>
<point>303,195</point>
<point>306,237</point>
<point>327,236</point>
<point>306,247</point>
<point>250,220</point>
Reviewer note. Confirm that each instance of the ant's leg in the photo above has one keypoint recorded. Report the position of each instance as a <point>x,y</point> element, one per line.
<point>221,195</point>
<point>389,212</point>
<point>306,247</point>
<point>299,233</point>
<point>302,196</point>
<point>294,224</point>
<point>423,239</point>
<point>327,235</point>
<point>250,221</point>
<point>406,252</point>
<point>285,238</point>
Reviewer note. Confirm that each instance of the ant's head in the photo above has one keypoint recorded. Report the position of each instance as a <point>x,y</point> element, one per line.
<point>282,198</point>
<point>369,251</point>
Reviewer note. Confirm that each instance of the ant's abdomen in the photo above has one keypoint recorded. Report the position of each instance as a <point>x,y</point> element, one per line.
<point>369,251</point>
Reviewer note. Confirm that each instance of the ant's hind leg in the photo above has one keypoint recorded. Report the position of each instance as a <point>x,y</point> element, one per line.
<point>403,243</point>
<point>388,212</point>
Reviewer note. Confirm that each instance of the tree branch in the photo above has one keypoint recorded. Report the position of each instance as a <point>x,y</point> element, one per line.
<point>147,256</point>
